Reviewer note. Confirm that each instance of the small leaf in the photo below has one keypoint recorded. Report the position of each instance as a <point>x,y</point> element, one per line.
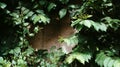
<point>36,29</point>
<point>62,13</point>
<point>96,26</point>
<point>87,23</point>
<point>17,50</point>
<point>51,6</point>
<point>103,27</point>
<point>70,58</point>
<point>2,5</point>
<point>36,19</point>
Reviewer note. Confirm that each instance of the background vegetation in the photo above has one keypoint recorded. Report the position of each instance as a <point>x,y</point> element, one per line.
<point>97,38</point>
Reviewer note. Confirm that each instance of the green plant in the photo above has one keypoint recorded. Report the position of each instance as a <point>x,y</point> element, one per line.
<point>96,39</point>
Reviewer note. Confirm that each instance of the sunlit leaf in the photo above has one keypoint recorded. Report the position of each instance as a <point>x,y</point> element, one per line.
<point>106,61</point>
<point>87,23</point>
<point>103,27</point>
<point>2,5</point>
<point>62,12</point>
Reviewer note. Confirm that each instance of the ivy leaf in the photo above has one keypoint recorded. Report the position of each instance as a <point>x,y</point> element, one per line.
<point>62,13</point>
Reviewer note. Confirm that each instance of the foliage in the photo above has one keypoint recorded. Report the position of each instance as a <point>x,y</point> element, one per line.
<point>96,22</point>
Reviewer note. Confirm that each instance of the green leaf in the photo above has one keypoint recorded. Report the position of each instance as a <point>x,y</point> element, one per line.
<point>36,19</point>
<point>70,58</point>
<point>29,51</point>
<point>103,27</point>
<point>51,6</point>
<point>111,63</point>
<point>1,60</point>
<point>80,58</point>
<point>96,25</point>
<point>100,58</point>
<point>106,61</point>
<point>87,56</point>
<point>2,5</point>
<point>62,12</point>
<point>29,15</point>
<point>73,40</point>
<point>44,19</point>
<point>17,50</point>
<point>87,23</point>
<point>75,22</point>
<point>117,63</point>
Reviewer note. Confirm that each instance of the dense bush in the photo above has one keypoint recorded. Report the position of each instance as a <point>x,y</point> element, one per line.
<point>97,38</point>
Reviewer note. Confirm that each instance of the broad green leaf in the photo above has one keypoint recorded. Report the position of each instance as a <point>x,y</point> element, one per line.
<point>51,6</point>
<point>96,26</point>
<point>1,59</point>
<point>29,51</point>
<point>62,12</point>
<point>80,58</point>
<point>74,56</point>
<point>87,23</point>
<point>100,58</point>
<point>70,58</point>
<point>117,63</point>
<point>44,19</point>
<point>87,56</point>
<point>36,19</point>
<point>25,11</point>
<point>111,63</point>
<point>106,61</point>
<point>17,50</point>
<point>103,27</point>
<point>73,40</point>
<point>2,5</point>
<point>29,15</point>
<point>7,64</point>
